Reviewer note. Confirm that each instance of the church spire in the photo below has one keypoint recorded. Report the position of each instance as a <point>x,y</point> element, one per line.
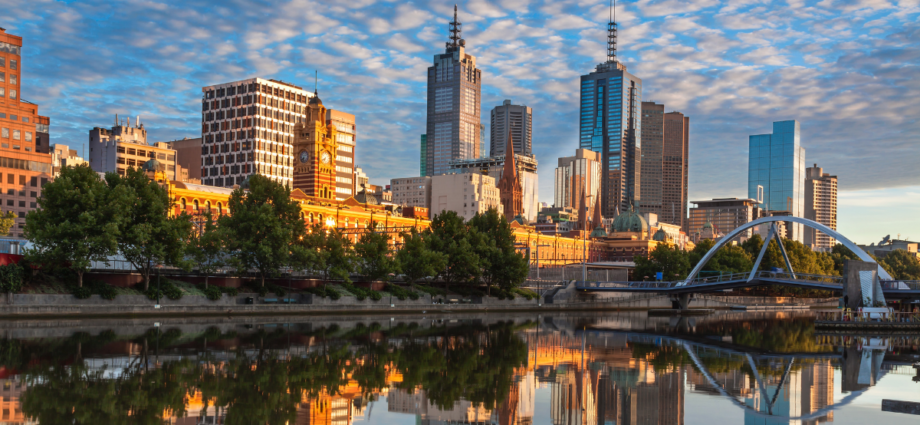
<point>598,219</point>
<point>510,167</point>
<point>612,34</point>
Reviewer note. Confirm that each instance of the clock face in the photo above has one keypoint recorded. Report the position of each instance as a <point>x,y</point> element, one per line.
<point>324,157</point>
<point>304,157</point>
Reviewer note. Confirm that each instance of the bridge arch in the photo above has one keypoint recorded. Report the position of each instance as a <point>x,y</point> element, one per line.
<point>882,274</point>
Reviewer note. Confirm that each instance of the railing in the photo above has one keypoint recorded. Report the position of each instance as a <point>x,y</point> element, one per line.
<point>900,285</point>
<point>849,315</point>
<point>711,280</point>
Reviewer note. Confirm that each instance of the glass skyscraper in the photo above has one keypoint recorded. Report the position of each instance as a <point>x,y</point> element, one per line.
<point>777,162</point>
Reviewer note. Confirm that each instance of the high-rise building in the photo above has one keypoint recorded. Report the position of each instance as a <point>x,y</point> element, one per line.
<point>465,194</point>
<point>188,156</point>
<point>610,124</point>
<point>820,206</point>
<point>346,133</point>
<point>24,157</point>
<point>412,191</point>
<point>454,87</point>
<point>124,146</point>
<point>247,127</point>
<point>494,167</point>
<point>518,119</point>
<point>423,157</point>
<point>665,161</point>
<point>720,216</point>
<point>577,174</point>
<point>777,163</point>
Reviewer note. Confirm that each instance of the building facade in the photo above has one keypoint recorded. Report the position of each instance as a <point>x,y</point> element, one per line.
<point>124,146</point>
<point>454,96</point>
<point>411,191</point>
<point>776,162</point>
<point>64,156</point>
<point>820,206</point>
<point>665,163</point>
<point>247,127</point>
<point>721,216</point>
<point>465,194</point>
<point>346,134</point>
<point>495,166</point>
<point>509,186</point>
<point>25,164</point>
<point>188,157</point>
<point>518,119</point>
<point>576,175</point>
<point>316,147</point>
<point>423,156</point>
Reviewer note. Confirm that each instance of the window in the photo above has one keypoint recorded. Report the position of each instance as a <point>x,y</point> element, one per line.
<point>22,181</point>
<point>10,179</point>
<point>2,77</point>
<point>5,132</point>
<point>33,194</point>
<point>13,79</point>
<point>34,182</point>
<point>2,92</point>
<point>10,203</point>
<point>11,192</point>
<point>22,204</point>
<point>16,135</point>
<point>14,64</point>
<point>28,136</point>
<point>12,94</point>
<point>2,61</point>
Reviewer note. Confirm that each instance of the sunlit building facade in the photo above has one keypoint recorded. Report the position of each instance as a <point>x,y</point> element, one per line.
<point>776,162</point>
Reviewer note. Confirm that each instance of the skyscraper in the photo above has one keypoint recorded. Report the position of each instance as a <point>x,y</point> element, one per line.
<point>777,162</point>
<point>820,206</point>
<point>454,87</point>
<point>665,160</point>
<point>346,131</point>
<point>611,107</point>
<point>423,157</point>
<point>516,118</point>
<point>577,174</point>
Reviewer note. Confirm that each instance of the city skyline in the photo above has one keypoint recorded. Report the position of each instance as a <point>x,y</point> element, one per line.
<point>733,69</point>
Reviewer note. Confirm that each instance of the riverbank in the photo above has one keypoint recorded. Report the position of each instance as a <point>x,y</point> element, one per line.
<point>560,299</point>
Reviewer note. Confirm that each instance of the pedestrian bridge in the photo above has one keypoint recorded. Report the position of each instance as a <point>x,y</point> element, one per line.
<point>693,284</point>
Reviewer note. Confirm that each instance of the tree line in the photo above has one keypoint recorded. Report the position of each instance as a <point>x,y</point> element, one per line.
<point>83,219</point>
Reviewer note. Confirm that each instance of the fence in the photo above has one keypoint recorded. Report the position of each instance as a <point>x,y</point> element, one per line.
<point>577,273</point>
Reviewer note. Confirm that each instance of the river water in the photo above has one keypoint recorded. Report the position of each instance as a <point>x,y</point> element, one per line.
<point>611,368</point>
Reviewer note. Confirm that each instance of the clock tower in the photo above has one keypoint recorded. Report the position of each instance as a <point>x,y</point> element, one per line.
<point>315,153</point>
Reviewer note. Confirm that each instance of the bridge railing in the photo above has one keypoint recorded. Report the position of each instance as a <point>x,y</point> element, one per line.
<point>900,285</point>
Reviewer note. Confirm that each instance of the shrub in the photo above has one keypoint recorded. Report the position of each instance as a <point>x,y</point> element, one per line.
<point>82,292</point>
<point>430,290</point>
<point>212,292</point>
<point>11,278</point>
<point>362,293</point>
<point>105,290</point>
<point>167,289</point>
<point>526,293</point>
<point>400,293</point>
<point>325,292</point>
<point>230,291</point>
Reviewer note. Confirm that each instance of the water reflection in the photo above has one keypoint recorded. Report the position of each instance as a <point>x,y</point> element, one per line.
<point>613,369</point>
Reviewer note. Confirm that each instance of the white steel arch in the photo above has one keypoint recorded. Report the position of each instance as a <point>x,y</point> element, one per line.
<point>882,274</point>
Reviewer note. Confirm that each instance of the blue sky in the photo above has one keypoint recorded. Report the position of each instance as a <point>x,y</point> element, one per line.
<point>848,70</point>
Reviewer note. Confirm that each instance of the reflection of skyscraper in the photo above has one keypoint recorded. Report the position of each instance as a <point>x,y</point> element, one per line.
<point>800,393</point>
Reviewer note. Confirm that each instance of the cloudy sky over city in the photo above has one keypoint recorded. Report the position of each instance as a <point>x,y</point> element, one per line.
<point>848,70</point>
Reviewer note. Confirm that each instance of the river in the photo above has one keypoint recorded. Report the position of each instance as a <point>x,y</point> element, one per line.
<point>606,368</point>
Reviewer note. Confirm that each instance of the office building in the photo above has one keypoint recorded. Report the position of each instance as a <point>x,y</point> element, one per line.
<point>42,134</point>
<point>423,156</point>
<point>247,127</point>
<point>125,146</point>
<point>188,157</point>
<point>820,206</point>
<point>665,161</point>
<point>360,179</point>
<point>25,164</point>
<point>465,194</point>
<point>610,124</point>
<point>721,216</point>
<point>346,133</point>
<point>63,156</point>
<point>776,162</point>
<point>518,119</point>
<point>495,167</point>
<point>454,87</point>
<point>576,175</point>
<point>411,191</point>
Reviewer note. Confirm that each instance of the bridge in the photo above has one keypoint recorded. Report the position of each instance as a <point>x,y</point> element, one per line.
<point>891,288</point>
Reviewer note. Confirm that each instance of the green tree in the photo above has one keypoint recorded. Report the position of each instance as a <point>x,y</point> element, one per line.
<point>10,278</point>
<point>262,227</point>
<point>372,252</point>
<point>206,246</point>
<point>334,251</point>
<point>840,254</point>
<point>673,262</point>
<point>76,222</point>
<point>729,258</point>
<point>147,235</point>
<point>416,260</point>
<point>499,263</point>
<point>450,236</point>
<point>7,220</point>
<point>901,265</point>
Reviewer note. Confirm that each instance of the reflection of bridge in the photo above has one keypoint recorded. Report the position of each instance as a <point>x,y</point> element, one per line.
<point>693,284</point>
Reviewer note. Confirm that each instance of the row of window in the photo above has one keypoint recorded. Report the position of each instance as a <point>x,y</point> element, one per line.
<point>255,88</point>
<point>14,79</point>
<point>4,47</point>
<point>13,93</point>
<point>17,134</point>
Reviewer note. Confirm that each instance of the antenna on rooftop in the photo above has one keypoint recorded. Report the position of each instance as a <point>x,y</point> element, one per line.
<point>612,34</point>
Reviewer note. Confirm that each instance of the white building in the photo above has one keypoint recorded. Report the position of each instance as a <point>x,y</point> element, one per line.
<point>64,156</point>
<point>124,146</point>
<point>495,167</point>
<point>412,191</point>
<point>465,194</point>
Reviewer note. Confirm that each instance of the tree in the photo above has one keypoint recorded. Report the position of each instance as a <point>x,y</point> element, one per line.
<point>76,222</point>
<point>840,254</point>
<point>7,220</point>
<point>416,261</point>
<point>673,262</point>
<point>450,236</point>
<point>206,246</point>
<point>499,263</point>
<point>730,258</point>
<point>147,235</point>
<point>262,226</point>
<point>901,265</point>
<point>336,260</point>
<point>373,255</point>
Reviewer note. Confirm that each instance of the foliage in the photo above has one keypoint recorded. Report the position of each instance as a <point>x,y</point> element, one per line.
<point>76,223</point>
<point>430,290</point>
<point>82,292</point>
<point>147,235</point>
<point>400,293</point>
<point>206,245</point>
<point>263,224</point>
<point>212,292</point>
<point>372,254</point>
<point>499,263</point>
<point>840,254</point>
<point>229,291</point>
<point>11,278</point>
<point>526,293</point>
<point>673,262</point>
<point>802,258</point>
<point>901,265</point>
<point>7,220</point>
<point>335,256</point>
<point>730,259</point>
<point>325,292</point>
<point>450,236</point>
<point>166,288</point>
<point>362,293</point>
<point>416,261</point>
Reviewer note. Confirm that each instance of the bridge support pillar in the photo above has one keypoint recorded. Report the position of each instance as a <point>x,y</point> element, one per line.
<point>680,301</point>
<point>852,290</point>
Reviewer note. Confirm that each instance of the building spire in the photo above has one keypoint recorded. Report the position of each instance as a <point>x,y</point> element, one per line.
<point>509,158</point>
<point>612,34</point>
<point>315,82</point>
<point>456,30</point>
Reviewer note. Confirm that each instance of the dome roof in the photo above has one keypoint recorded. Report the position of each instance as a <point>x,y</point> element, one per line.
<point>599,232</point>
<point>245,184</point>
<point>152,165</point>
<point>708,225</point>
<point>519,218</point>
<point>367,198</point>
<point>630,221</point>
<point>315,100</point>
<point>660,235</point>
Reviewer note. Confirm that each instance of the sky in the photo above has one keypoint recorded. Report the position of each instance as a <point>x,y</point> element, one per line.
<point>847,70</point>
